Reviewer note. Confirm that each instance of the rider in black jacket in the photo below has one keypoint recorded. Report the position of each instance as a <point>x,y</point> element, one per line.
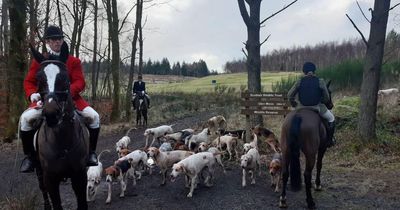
<point>140,87</point>
<point>311,92</point>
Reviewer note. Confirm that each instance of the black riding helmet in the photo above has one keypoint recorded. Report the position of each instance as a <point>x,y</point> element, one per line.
<point>53,32</point>
<point>309,66</point>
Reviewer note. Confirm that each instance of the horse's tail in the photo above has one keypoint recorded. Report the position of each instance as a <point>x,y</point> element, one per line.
<point>294,148</point>
<point>127,132</point>
<point>98,157</point>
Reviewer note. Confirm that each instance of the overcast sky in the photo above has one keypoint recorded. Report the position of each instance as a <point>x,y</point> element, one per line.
<point>213,30</point>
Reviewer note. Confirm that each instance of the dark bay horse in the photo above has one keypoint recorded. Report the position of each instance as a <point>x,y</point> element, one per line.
<point>303,130</point>
<point>141,106</point>
<point>62,140</point>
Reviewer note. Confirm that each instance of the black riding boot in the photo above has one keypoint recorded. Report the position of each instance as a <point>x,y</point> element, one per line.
<point>93,136</point>
<point>28,164</point>
<point>330,132</point>
<point>148,103</point>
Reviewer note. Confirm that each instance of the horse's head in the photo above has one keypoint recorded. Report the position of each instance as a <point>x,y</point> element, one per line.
<point>54,86</point>
<point>329,104</point>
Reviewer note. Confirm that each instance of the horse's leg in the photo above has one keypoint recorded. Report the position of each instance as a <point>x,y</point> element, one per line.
<point>285,178</point>
<point>137,117</point>
<point>310,162</point>
<point>145,117</point>
<point>52,184</point>
<point>79,182</point>
<point>321,153</point>
<point>45,194</point>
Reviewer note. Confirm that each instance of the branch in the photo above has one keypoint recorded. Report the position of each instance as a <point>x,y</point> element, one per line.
<point>362,12</point>
<point>362,35</point>
<point>265,40</point>
<point>262,22</point>
<point>244,52</point>
<point>126,16</point>
<point>243,12</point>
<point>394,6</point>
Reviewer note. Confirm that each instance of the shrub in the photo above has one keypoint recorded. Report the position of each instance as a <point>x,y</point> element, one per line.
<point>345,75</point>
<point>284,85</point>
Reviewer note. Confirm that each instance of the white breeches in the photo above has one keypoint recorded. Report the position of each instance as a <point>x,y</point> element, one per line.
<point>30,115</point>
<point>328,116</point>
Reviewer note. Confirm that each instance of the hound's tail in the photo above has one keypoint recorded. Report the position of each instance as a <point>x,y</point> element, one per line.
<point>127,132</point>
<point>98,157</point>
<point>294,145</point>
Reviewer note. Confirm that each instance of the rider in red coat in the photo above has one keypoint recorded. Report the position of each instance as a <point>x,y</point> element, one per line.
<point>77,80</point>
<point>54,39</point>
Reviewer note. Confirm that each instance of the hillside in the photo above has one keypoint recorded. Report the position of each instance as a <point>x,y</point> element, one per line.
<point>205,84</point>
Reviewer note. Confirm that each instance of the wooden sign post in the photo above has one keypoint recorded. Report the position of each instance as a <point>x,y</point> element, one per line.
<point>263,104</point>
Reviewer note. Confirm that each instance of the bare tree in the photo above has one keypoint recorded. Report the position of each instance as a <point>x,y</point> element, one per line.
<point>253,45</point>
<point>4,28</point>
<point>33,21</point>
<point>372,70</point>
<point>17,63</point>
<point>94,59</point>
<point>139,11</point>
<point>112,16</point>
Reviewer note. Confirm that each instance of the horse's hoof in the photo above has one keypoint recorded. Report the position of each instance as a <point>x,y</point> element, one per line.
<point>318,188</point>
<point>282,204</point>
<point>311,205</point>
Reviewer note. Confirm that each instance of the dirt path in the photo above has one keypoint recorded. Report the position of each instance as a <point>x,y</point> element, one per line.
<point>345,186</point>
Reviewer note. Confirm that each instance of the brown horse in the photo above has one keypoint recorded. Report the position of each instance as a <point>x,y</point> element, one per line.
<point>62,141</point>
<point>302,130</point>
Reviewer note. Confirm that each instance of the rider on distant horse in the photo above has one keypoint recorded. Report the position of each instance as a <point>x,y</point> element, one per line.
<point>312,93</point>
<point>140,86</point>
<point>54,39</point>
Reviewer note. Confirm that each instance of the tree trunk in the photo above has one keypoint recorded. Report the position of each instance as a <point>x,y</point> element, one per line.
<point>372,70</point>
<point>112,15</point>
<point>4,27</point>
<point>17,65</point>
<point>46,23</point>
<point>253,62</point>
<point>81,23</point>
<point>33,22</point>
<point>139,8</point>
<point>94,60</point>
<point>140,71</point>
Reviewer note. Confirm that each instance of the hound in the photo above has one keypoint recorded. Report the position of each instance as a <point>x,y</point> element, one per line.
<point>228,142</point>
<point>204,147</point>
<point>165,160</point>
<point>156,133</point>
<point>253,144</point>
<point>216,122</point>
<point>196,139</point>
<point>241,134</point>
<point>138,160</point>
<point>192,167</point>
<point>94,178</point>
<point>269,136</point>
<point>249,163</point>
<point>275,170</point>
<point>180,135</point>
<point>123,142</point>
<point>117,172</point>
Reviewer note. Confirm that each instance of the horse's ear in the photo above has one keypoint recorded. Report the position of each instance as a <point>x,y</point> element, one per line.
<point>329,83</point>
<point>64,52</point>
<point>36,54</point>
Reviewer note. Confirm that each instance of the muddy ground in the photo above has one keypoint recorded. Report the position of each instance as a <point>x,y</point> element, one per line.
<point>345,185</point>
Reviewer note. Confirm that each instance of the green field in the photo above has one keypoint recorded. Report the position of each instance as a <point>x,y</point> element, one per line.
<point>205,84</point>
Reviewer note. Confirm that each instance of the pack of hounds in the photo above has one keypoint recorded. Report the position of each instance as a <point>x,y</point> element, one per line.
<point>187,153</point>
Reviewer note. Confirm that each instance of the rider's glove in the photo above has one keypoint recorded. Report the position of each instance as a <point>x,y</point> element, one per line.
<point>143,92</point>
<point>35,97</point>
